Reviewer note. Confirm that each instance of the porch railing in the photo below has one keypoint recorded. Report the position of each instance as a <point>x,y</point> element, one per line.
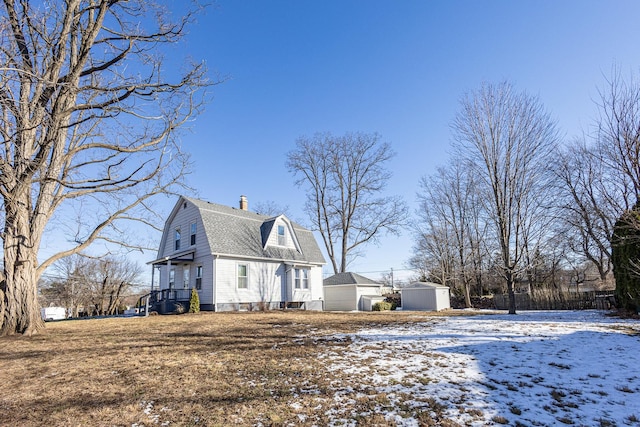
<point>169,295</point>
<point>163,300</point>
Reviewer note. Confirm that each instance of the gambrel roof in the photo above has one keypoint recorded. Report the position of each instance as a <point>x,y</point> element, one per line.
<point>244,234</point>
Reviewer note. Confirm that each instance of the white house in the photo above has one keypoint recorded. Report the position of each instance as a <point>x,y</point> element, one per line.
<point>236,260</point>
<point>425,296</point>
<point>350,292</point>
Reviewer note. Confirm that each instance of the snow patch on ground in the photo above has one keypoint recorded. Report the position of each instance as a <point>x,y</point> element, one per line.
<point>534,368</point>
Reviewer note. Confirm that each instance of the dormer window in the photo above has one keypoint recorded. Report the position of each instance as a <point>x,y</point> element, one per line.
<point>282,241</point>
<point>177,239</point>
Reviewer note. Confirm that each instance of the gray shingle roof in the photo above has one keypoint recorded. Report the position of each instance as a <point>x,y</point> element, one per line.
<point>232,231</point>
<point>348,279</point>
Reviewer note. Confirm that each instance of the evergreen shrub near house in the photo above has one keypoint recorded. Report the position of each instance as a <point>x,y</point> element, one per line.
<point>194,302</point>
<point>382,306</point>
<point>394,299</point>
<point>625,257</point>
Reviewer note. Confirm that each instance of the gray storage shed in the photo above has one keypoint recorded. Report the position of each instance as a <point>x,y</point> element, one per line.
<point>425,296</point>
<point>350,292</point>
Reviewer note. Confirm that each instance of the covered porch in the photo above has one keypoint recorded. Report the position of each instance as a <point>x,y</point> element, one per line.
<point>166,297</point>
<point>165,301</point>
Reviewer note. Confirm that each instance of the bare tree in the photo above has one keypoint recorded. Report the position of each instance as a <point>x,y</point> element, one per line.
<point>345,177</point>
<point>434,255</point>
<point>507,139</point>
<point>618,137</point>
<point>593,198</point>
<point>69,286</point>
<point>88,122</point>
<point>108,280</point>
<point>618,141</point>
<point>98,285</point>
<point>271,208</point>
<point>449,199</point>
<point>599,175</point>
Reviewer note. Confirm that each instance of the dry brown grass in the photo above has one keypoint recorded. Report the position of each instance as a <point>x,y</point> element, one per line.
<point>204,369</point>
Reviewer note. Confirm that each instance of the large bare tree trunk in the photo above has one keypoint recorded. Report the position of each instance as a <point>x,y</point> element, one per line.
<point>510,292</point>
<point>20,296</point>
<point>87,121</point>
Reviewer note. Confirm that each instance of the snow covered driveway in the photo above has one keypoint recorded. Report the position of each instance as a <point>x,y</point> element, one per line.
<point>534,369</point>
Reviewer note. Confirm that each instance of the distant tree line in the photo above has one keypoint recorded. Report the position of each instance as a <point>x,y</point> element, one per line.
<point>90,286</point>
<point>515,206</point>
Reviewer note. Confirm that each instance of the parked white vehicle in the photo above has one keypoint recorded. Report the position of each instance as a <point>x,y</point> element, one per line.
<point>53,313</point>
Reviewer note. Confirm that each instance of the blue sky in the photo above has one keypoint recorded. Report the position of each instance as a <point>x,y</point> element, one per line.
<point>398,68</point>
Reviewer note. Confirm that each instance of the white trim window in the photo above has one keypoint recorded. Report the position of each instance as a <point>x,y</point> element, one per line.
<point>198,277</point>
<point>177,239</point>
<point>301,278</point>
<point>243,276</point>
<point>282,238</point>
<point>192,237</point>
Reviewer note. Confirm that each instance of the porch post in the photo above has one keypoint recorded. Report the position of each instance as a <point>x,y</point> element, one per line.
<point>153,272</point>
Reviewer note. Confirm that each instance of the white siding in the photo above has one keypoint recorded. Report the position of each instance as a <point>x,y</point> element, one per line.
<point>425,298</point>
<point>340,298</point>
<point>183,218</point>
<point>264,282</point>
<point>206,293</point>
<point>443,299</point>
<point>315,284</point>
<point>365,290</point>
<point>348,297</point>
<point>313,293</point>
<point>368,301</point>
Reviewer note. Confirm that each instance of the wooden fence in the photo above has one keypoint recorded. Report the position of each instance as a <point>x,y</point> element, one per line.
<point>599,300</point>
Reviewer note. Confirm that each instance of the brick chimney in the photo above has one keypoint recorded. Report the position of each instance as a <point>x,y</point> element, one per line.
<point>244,204</point>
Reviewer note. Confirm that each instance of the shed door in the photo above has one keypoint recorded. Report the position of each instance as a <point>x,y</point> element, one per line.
<point>340,298</point>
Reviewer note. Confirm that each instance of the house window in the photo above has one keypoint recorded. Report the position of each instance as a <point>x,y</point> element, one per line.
<point>243,276</point>
<point>185,277</point>
<point>193,233</point>
<point>301,278</point>
<point>281,236</point>
<point>177,239</point>
<point>172,278</point>
<point>199,277</point>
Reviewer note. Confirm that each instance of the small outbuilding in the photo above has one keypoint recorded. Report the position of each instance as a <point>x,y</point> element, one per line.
<point>350,292</point>
<point>425,296</point>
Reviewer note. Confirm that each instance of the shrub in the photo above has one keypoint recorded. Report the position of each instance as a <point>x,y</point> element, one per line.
<point>194,302</point>
<point>382,306</point>
<point>625,257</point>
<point>393,299</point>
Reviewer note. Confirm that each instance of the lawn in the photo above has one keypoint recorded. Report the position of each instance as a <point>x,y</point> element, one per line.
<point>308,368</point>
<point>204,369</point>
